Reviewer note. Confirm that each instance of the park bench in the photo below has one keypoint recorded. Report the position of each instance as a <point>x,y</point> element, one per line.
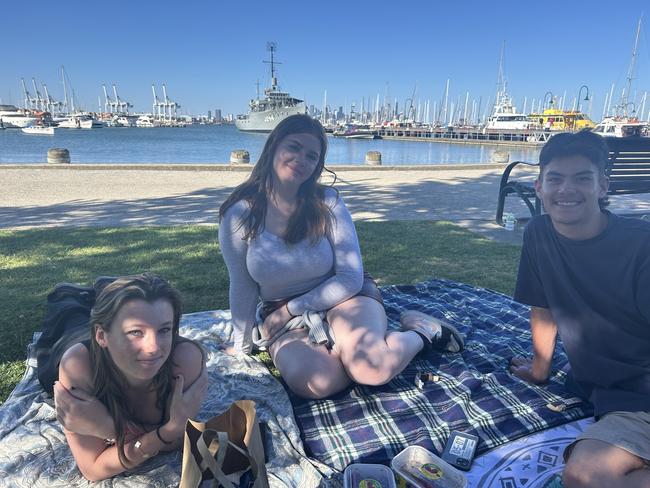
<point>628,170</point>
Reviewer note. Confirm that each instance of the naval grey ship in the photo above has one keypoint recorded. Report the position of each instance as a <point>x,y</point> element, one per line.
<point>266,113</point>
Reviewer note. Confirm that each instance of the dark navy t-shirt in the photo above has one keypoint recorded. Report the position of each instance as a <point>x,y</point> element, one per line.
<point>598,291</point>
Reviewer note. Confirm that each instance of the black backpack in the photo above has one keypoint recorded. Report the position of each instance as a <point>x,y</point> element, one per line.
<point>66,323</point>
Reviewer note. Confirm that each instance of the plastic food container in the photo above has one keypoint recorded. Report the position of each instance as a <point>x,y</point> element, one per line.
<point>423,469</point>
<point>368,476</point>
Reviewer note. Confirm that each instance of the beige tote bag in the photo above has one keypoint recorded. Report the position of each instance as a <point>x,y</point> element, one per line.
<point>225,444</point>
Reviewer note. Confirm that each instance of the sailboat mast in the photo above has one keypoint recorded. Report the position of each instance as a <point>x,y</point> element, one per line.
<point>630,72</point>
<point>501,80</point>
<point>65,91</point>
<point>465,112</point>
<point>444,119</point>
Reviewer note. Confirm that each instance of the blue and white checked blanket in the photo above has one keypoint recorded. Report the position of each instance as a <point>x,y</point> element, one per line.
<point>476,393</point>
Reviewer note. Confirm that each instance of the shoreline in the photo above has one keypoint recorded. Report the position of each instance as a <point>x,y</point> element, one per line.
<point>244,167</point>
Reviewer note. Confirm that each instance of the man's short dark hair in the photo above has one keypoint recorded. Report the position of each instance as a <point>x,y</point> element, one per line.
<point>584,143</point>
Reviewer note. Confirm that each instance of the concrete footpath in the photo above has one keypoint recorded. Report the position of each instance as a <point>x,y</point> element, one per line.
<point>136,195</point>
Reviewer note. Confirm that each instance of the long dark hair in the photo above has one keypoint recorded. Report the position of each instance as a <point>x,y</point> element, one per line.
<point>109,383</point>
<point>312,217</point>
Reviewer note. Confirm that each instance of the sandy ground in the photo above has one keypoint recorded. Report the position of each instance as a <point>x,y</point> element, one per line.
<point>45,196</point>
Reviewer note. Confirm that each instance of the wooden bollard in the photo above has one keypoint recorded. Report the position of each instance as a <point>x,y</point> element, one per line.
<point>239,156</point>
<point>58,156</point>
<point>373,158</point>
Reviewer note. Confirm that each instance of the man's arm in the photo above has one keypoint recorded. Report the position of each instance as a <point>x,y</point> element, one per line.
<point>544,331</point>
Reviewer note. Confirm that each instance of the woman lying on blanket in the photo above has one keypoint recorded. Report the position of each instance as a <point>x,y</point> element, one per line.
<point>127,392</point>
<point>290,242</point>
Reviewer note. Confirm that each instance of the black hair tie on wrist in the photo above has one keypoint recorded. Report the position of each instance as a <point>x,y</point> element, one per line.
<point>160,437</point>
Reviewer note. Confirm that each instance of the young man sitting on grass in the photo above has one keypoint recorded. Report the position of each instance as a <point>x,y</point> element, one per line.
<point>586,274</point>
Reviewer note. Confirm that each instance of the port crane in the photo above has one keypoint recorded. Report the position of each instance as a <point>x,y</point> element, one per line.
<point>115,105</point>
<point>165,109</point>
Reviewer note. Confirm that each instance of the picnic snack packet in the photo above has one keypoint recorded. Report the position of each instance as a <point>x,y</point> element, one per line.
<point>368,476</point>
<point>423,469</point>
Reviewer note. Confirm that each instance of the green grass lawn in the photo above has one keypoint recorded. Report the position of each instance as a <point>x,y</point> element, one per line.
<point>33,261</point>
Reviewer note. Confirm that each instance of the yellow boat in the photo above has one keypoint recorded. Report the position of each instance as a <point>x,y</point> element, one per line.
<point>553,119</point>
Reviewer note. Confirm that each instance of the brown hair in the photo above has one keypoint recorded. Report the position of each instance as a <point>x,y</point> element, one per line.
<point>312,217</point>
<point>109,382</point>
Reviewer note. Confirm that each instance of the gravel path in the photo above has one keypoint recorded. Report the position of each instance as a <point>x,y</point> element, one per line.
<point>85,195</point>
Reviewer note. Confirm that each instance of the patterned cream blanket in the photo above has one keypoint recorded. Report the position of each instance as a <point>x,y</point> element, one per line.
<point>34,452</point>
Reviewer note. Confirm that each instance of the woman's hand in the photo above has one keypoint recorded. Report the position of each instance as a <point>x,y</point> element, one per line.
<point>275,321</point>
<point>81,413</point>
<point>184,405</point>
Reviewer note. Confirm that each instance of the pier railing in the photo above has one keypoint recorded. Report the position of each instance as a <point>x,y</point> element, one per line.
<point>466,135</point>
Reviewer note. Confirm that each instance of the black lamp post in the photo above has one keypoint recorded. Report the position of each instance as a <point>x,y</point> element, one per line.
<point>550,101</point>
<point>586,99</point>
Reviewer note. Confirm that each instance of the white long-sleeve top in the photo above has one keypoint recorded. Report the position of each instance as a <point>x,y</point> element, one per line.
<point>319,275</point>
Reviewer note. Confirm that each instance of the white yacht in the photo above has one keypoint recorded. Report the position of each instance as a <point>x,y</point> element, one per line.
<point>505,116</point>
<point>146,120</point>
<point>622,124</point>
<point>80,121</point>
<point>15,118</point>
<point>122,121</point>
<point>40,130</point>
<point>620,127</point>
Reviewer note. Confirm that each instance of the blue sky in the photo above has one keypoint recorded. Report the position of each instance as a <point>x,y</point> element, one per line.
<point>210,54</point>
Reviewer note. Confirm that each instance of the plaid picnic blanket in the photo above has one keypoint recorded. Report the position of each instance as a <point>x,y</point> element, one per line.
<point>476,393</point>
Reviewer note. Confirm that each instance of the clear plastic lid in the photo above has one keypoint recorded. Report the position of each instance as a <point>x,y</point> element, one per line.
<point>423,469</point>
<point>368,476</point>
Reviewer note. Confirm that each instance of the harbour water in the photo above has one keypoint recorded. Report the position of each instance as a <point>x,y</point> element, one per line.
<point>212,144</point>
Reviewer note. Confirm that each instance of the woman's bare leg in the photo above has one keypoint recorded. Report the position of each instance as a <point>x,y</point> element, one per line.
<point>310,370</point>
<point>369,355</point>
<point>363,351</point>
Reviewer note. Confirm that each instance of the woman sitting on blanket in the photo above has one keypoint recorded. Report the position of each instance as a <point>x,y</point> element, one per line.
<point>290,242</point>
<point>126,393</point>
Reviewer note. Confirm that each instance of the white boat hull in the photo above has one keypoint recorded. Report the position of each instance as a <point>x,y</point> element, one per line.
<point>44,131</point>
<point>621,127</point>
<point>76,124</point>
<point>17,122</point>
<point>146,121</point>
<point>507,125</point>
<point>80,122</point>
